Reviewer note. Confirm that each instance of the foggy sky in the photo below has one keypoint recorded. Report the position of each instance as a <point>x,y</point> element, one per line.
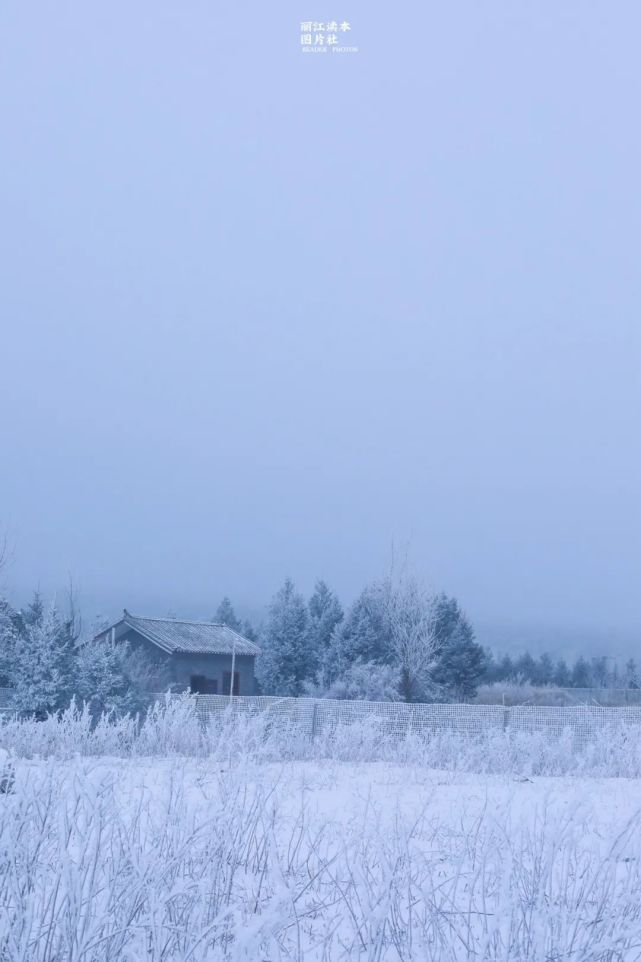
<point>267,314</point>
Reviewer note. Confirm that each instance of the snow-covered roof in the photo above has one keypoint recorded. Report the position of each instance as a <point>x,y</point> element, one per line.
<point>193,637</point>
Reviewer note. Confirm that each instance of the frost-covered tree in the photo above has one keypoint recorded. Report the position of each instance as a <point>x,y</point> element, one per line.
<point>285,663</point>
<point>491,672</point>
<point>413,641</point>
<point>363,635</point>
<point>461,663</point>
<point>506,670</point>
<point>42,660</point>
<point>544,670</point>
<point>631,677</point>
<point>389,624</point>
<point>225,615</point>
<point>102,680</point>
<point>581,677</point>
<point>111,677</point>
<point>599,671</point>
<point>325,614</point>
<point>248,631</point>
<point>10,623</point>
<point>562,674</point>
<point>459,658</point>
<point>525,667</point>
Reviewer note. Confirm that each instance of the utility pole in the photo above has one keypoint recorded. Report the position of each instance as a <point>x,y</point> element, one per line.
<point>233,666</point>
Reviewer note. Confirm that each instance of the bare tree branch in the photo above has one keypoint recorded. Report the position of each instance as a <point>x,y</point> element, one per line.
<point>414,642</point>
<point>74,617</point>
<point>7,550</point>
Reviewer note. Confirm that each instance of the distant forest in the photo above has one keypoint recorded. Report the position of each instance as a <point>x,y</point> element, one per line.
<point>596,672</point>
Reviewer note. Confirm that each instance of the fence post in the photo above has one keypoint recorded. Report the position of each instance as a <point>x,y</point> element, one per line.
<point>506,719</point>
<point>314,714</point>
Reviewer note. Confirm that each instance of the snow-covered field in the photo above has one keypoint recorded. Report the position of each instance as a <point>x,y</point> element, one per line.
<point>174,842</point>
<point>199,859</point>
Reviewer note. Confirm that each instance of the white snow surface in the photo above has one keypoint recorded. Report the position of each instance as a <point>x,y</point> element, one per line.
<point>198,860</point>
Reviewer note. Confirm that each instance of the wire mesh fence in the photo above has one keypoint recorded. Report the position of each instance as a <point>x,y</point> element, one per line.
<point>314,717</point>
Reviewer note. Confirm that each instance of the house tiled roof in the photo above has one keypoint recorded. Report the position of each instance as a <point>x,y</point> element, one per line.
<point>194,637</point>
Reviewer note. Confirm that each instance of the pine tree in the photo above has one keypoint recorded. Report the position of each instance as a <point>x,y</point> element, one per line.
<point>600,674</point>
<point>525,667</point>
<point>103,680</point>
<point>363,635</point>
<point>491,670</point>
<point>562,674</point>
<point>461,659</point>
<point>225,615</point>
<point>544,671</point>
<point>248,631</point>
<point>285,664</point>
<point>581,674</point>
<point>506,670</point>
<point>10,623</point>
<point>325,614</point>
<point>445,617</point>
<point>42,661</point>
<point>631,674</point>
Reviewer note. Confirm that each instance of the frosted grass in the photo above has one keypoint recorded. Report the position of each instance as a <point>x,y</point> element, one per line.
<point>174,727</point>
<point>188,859</point>
<point>163,839</point>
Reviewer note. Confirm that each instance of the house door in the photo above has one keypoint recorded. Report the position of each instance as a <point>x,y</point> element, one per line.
<point>227,682</point>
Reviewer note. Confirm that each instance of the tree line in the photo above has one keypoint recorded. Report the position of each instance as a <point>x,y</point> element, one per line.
<point>396,641</point>
<point>314,647</point>
<point>596,672</point>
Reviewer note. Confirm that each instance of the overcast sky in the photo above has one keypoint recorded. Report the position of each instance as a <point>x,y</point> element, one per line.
<point>267,313</point>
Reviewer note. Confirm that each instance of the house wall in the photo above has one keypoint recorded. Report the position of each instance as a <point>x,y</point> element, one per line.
<point>183,666</point>
<point>213,666</point>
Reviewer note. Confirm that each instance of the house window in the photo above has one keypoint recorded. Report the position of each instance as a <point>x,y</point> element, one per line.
<point>227,682</point>
<point>200,685</point>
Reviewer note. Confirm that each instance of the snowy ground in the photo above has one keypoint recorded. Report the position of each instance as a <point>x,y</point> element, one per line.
<point>198,860</point>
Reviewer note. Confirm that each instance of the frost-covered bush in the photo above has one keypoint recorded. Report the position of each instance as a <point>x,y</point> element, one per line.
<point>523,692</point>
<point>170,727</point>
<point>67,733</point>
<point>363,681</point>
